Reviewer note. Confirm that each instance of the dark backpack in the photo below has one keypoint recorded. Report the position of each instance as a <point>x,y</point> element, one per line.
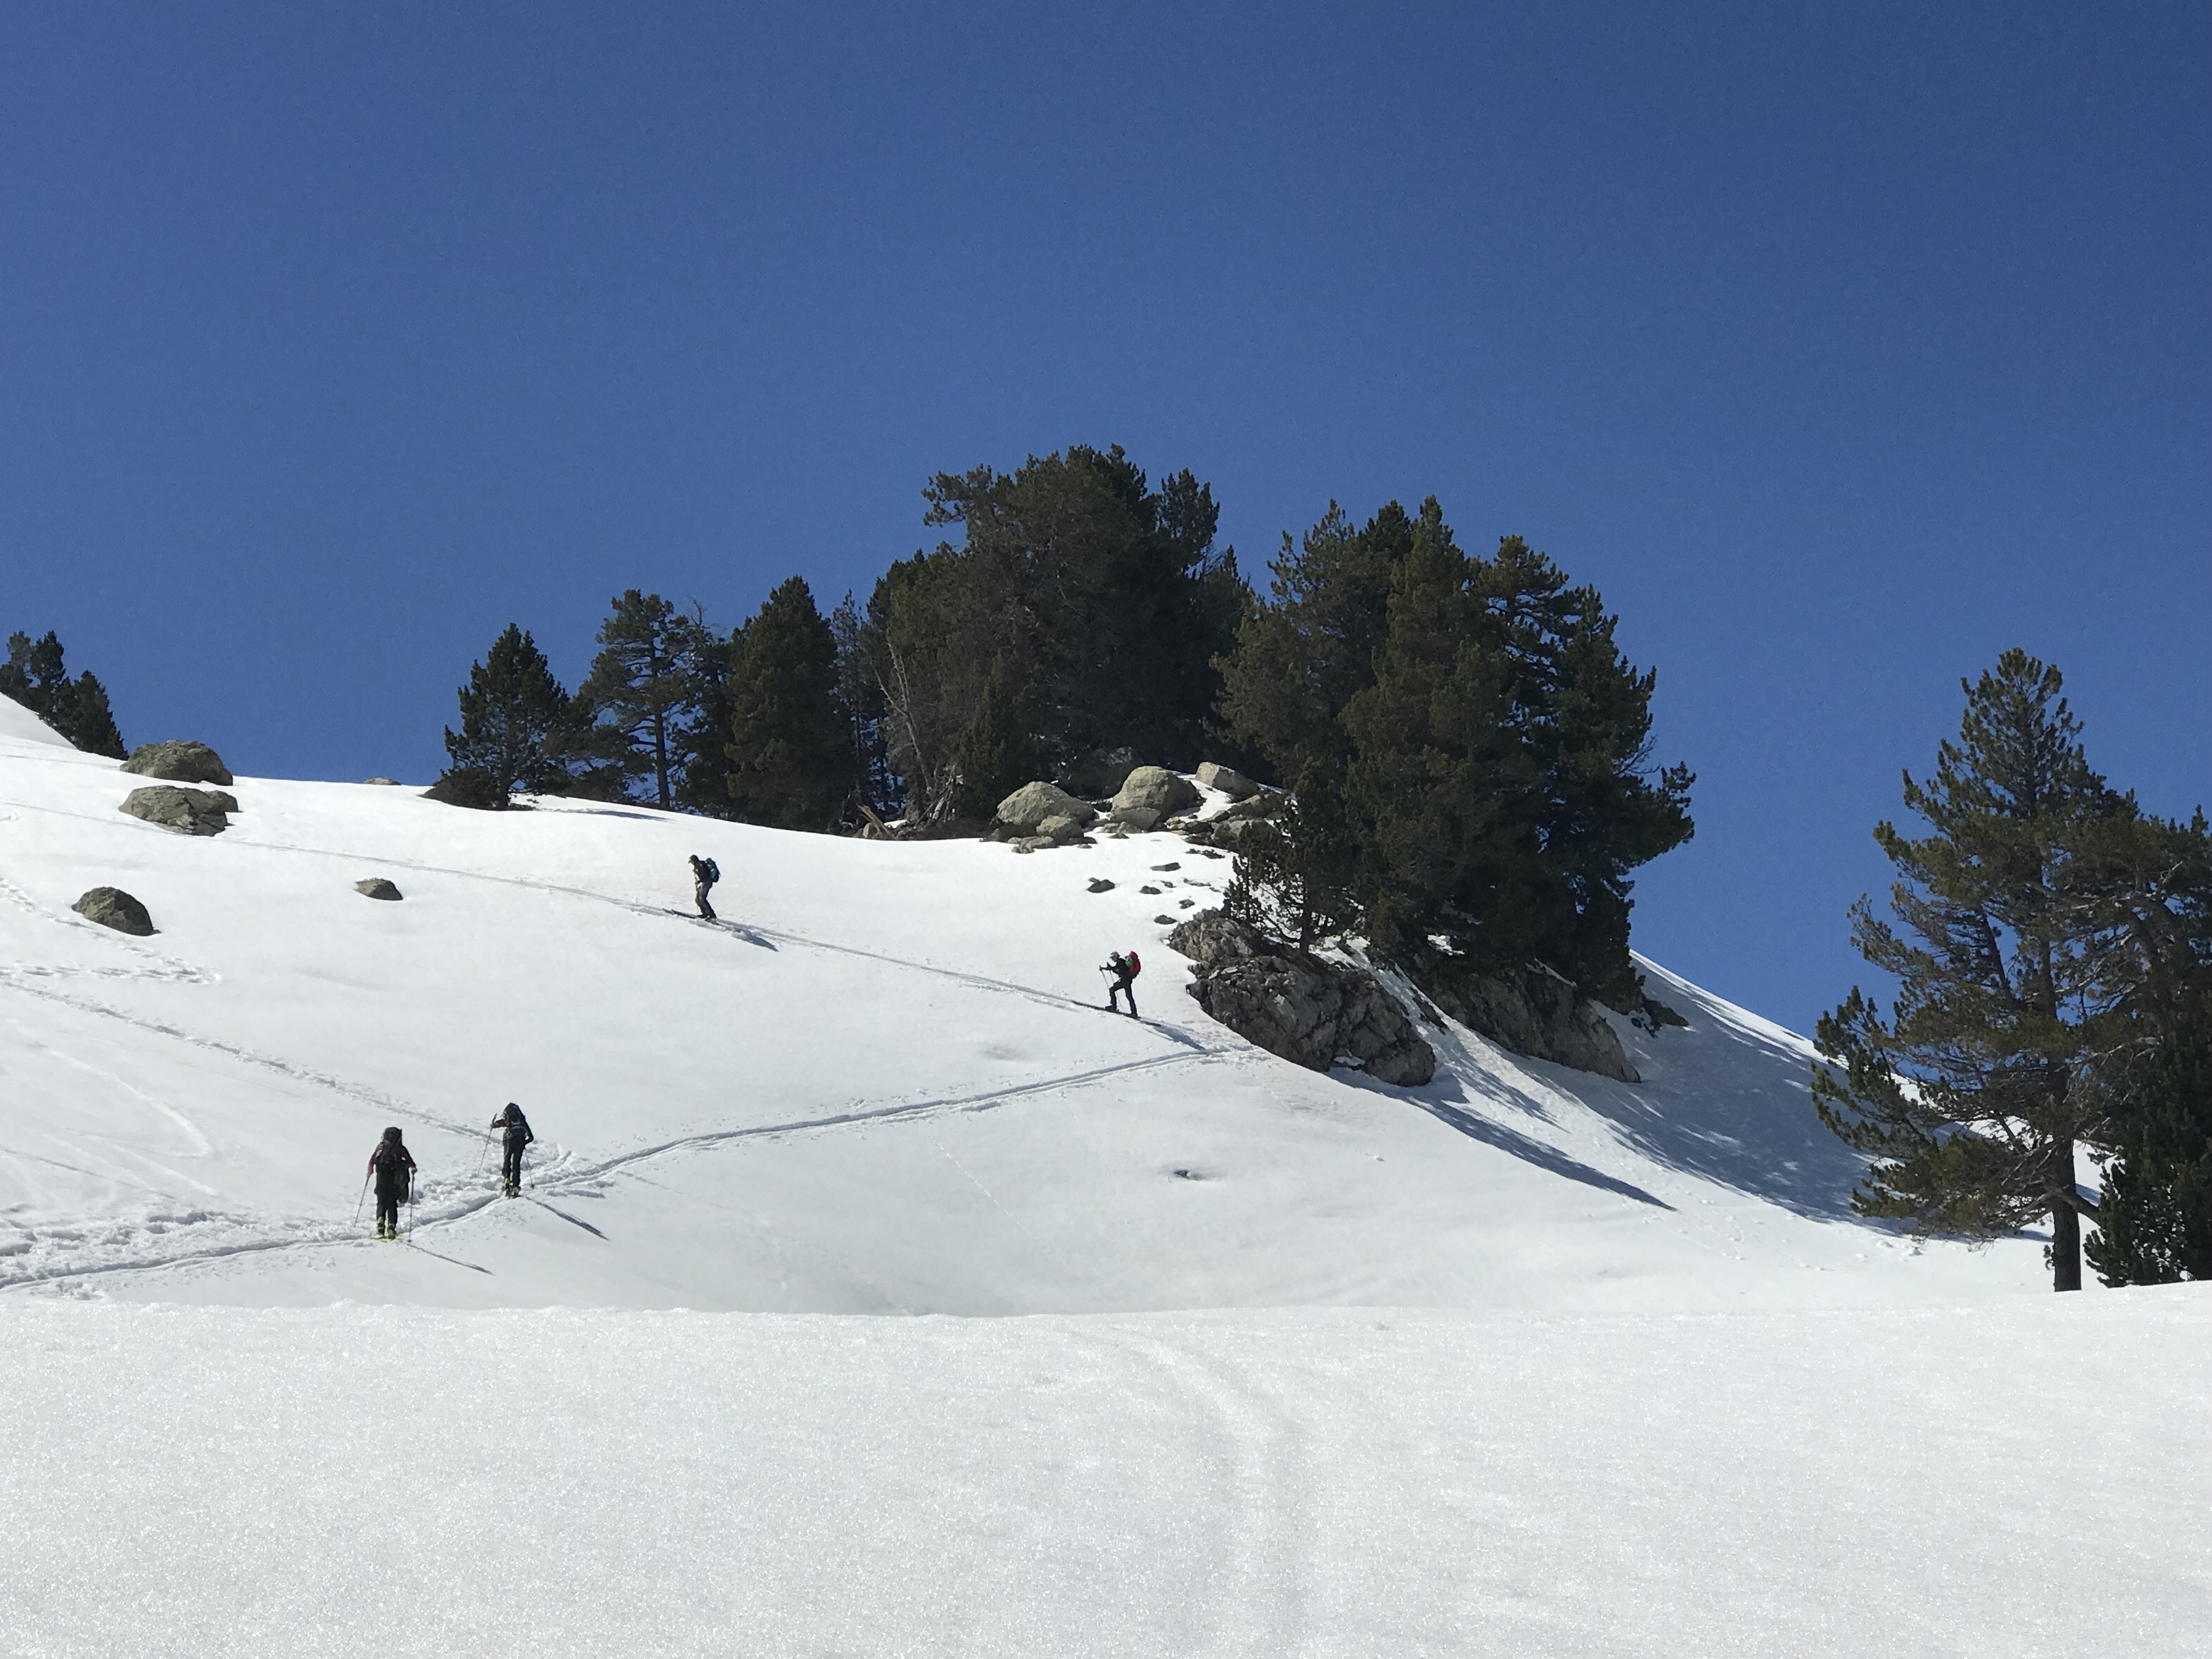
<point>390,1162</point>
<point>712,871</point>
<point>518,1126</point>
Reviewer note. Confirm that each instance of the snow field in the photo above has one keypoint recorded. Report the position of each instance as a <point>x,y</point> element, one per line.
<point>2024,1477</point>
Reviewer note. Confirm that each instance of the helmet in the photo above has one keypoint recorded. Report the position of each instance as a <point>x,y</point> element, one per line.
<point>392,1134</point>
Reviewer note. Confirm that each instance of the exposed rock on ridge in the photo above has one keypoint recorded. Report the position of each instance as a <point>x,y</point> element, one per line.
<point>1315,1013</point>
<point>179,761</point>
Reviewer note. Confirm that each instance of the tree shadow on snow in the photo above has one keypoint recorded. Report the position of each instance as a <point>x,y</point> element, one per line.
<point>1548,1158</point>
<point>1729,1099</point>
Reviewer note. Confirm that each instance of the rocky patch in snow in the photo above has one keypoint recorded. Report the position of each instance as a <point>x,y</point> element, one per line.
<point>1316,1013</point>
<point>111,907</point>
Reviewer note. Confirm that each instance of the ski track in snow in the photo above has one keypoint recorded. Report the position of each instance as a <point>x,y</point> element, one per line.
<point>562,1175</point>
<point>566,1175</point>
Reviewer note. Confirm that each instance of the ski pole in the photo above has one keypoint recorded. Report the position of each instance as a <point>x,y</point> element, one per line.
<point>362,1199</point>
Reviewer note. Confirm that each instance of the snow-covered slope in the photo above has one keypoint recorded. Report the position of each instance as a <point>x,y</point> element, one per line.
<point>1521,1362</point>
<point>886,1084</point>
<point>18,725</point>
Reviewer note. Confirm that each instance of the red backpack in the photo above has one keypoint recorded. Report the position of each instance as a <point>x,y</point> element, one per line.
<point>1135,966</point>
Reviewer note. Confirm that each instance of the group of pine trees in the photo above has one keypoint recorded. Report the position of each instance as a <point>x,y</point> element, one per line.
<point>2051,943</point>
<point>35,677</point>
<point>1468,750</point>
<point>1468,747</point>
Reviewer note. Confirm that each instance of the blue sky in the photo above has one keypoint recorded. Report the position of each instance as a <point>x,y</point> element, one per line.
<point>1842,347</point>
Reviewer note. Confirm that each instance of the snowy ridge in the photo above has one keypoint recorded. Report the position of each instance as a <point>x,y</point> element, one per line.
<point>1521,1362</point>
<point>882,1083</point>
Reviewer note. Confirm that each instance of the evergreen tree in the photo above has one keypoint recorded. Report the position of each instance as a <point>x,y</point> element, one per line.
<point>2154,1216</point>
<point>1497,781</point>
<point>865,710</point>
<point>994,757</point>
<point>77,709</point>
<point>1974,1094</point>
<point>2154,1219</point>
<point>791,748</point>
<point>645,690</point>
<point>1300,660</point>
<point>1107,598</point>
<point>518,725</point>
<point>1293,880</point>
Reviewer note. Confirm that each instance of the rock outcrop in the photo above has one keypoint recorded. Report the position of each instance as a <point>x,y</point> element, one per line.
<point>111,907</point>
<point>188,811</point>
<point>1227,778</point>
<point>1026,811</point>
<point>179,761</point>
<point>1315,1013</point>
<point>377,887</point>
<point>1154,789</point>
<point>1532,1012</point>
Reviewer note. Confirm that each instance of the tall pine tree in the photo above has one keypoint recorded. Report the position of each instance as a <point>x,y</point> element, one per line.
<point>646,690</point>
<point>790,744</point>
<point>1974,1093</point>
<point>519,730</point>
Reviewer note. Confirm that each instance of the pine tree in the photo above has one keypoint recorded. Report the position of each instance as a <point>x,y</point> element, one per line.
<point>1300,660</point>
<point>2154,1216</point>
<point>645,690</point>
<point>518,725</point>
<point>791,747</point>
<point>994,757</point>
<point>1293,878</point>
<point>1497,782</point>
<point>36,676</point>
<point>1974,1094</point>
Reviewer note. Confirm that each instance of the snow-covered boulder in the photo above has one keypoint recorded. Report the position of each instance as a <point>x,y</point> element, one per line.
<point>179,761</point>
<point>111,907</point>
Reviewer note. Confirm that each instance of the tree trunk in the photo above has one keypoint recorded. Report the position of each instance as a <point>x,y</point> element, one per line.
<point>2065,1228</point>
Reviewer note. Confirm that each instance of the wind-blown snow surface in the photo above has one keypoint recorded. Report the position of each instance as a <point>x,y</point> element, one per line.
<point>1521,1362</point>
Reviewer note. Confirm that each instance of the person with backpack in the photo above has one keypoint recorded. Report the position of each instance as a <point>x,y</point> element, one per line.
<point>1125,969</point>
<point>517,1128</point>
<point>393,1166</point>
<point>705,873</point>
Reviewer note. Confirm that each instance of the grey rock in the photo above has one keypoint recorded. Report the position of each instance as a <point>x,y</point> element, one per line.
<point>1227,778</point>
<point>1148,888</point>
<point>179,761</point>
<point>1532,1012</point>
<point>188,811</point>
<point>1263,804</point>
<point>1032,843</point>
<point>1029,806</point>
<point>389,782</point>
<point>111,907</point>
<point>1234,832</point>
<point>377,887</point>
<point>1138,818</point>
<point>1170,865</point>
<point>1164,921</point>
<point>1156,788</point>
<point>1061,827</point>
<point>1100,884</point>
<point>1316,1014</point>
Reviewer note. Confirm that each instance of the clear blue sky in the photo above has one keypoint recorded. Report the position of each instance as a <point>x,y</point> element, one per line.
<point>1841,346</point>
